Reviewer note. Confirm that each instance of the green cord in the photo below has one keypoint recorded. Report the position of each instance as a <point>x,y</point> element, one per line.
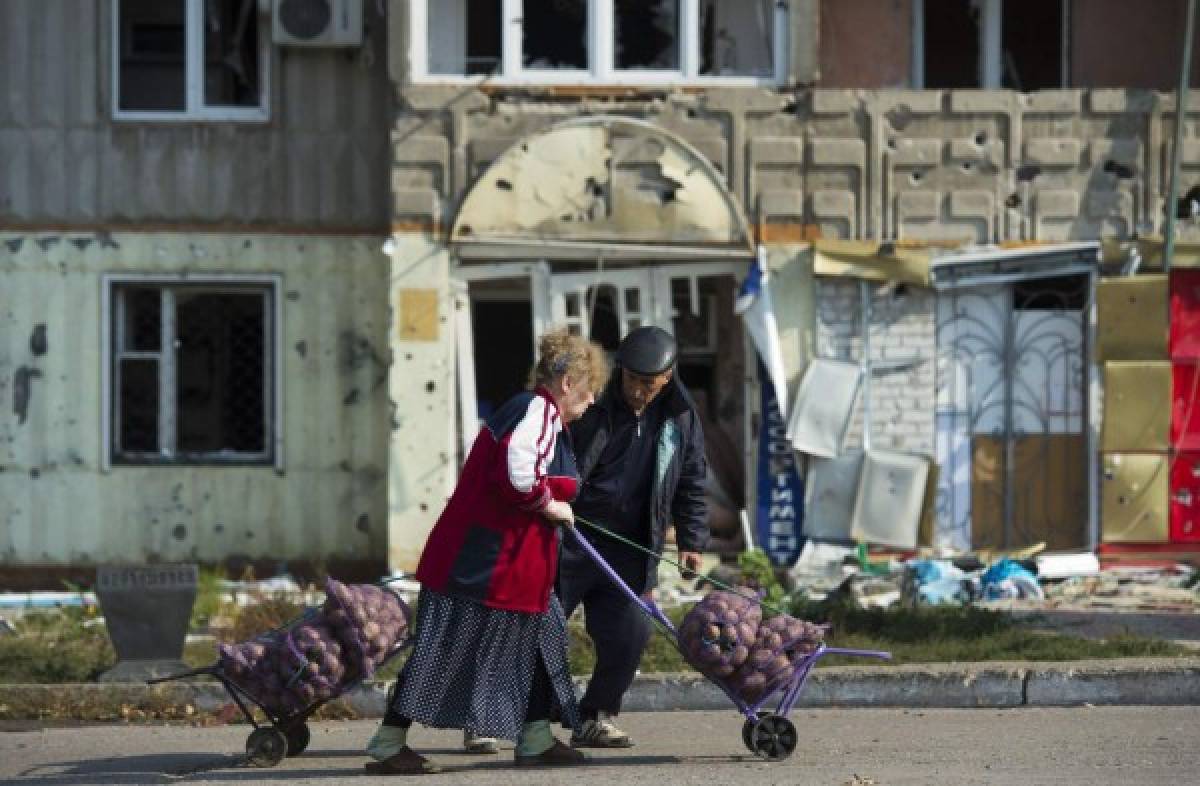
<point>682,569</point>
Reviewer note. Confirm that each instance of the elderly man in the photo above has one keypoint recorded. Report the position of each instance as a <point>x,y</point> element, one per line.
<point>640,450</point>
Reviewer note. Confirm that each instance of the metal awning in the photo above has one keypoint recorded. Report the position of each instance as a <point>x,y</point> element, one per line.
<point>975,268</point>
<point>933,266</point>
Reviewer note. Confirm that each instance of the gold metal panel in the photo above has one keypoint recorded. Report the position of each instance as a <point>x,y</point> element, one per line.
<point>1131,319</point>
<point>1137,406</point>
<point>1133,498</point>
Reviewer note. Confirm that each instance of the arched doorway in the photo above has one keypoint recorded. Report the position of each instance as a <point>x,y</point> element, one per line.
<point>603,224</point>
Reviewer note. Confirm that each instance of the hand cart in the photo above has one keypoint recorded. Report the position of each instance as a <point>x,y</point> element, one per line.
<point>766,733</point>
<point>283,733</point>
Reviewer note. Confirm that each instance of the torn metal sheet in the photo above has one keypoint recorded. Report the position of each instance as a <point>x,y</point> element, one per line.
<point>1149,253</point>
<point>832,491</point>
<point>602,180</point>
<point>1131,318</point>
<point>873,261</point>
<point>891,494</point>
<point>1133,498</point>
<point>824,404</point>
<point>1137,406</point>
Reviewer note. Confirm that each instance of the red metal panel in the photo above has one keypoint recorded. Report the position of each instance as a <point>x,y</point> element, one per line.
<point>1185,314</point>
<point>1185,406</point>
<point>1185,498</point>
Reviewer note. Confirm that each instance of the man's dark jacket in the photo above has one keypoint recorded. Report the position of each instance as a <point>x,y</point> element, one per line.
<point>677,491</point>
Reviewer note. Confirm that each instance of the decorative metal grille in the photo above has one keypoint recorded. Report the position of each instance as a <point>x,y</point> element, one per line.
<point>1011,415</point>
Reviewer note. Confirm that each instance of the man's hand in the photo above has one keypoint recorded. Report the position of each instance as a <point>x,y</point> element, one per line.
<point>559,513</point>
<point>691,562</point>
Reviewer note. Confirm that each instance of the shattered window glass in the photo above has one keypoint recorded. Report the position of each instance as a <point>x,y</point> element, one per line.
<point>464,37</point>
<point>143,320</point>
<point>231,68</point>
<point>138,402</point>
<point>737,38</point>
<point>220,367</point>
<point>606,327</point>
<point>646,34</point>
<point>555,35</point>
<point>151,40</point>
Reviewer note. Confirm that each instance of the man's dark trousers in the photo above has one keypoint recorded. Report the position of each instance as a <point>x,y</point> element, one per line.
<point>618,627</point>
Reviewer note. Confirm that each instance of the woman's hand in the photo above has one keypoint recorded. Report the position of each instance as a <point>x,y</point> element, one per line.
<point>559,513</point>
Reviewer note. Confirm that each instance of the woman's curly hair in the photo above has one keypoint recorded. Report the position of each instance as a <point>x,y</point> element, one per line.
<point>561,352</point>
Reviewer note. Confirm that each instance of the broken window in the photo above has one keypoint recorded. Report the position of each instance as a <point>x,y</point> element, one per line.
<point>737,38</point>
<point>1017,44</point>
<point>192,373</point>
<point>555,34</point>
<point>646,34</point>
<point>189,59</point>
<point>464,36</point>
<point>607,40</point>
<point>1032,45</point>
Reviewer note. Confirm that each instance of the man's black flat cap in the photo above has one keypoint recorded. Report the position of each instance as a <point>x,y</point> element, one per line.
<point>647,351</point>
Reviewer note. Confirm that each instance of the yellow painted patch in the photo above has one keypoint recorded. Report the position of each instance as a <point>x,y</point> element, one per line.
<point>418,315</point>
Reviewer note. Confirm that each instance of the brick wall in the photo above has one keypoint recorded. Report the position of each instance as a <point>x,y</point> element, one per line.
<point>902,327</point>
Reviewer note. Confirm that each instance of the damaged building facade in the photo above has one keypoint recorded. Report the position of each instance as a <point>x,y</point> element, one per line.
<point>928,183</point>
<point>264,264</point>
<point>193,352</point>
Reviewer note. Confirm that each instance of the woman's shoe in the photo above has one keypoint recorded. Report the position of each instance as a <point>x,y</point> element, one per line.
<point>406,762</point>
<point>557,755</point>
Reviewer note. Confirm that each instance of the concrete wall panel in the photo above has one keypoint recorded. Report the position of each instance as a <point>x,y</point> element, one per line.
<point>59,506</point>
<point>318,162</point>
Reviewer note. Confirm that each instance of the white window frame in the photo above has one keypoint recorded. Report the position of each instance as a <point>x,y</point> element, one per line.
<point>991,45</point>
<point>194,106</point>
<point>600,52</point>
<point>272,286</point>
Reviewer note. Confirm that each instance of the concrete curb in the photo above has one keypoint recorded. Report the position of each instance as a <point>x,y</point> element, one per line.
<point>1140,681</point>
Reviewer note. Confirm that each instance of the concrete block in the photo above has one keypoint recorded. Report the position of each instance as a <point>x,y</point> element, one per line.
<point>1161,682</point>
<point>838,152</point>
<point>915,686</point>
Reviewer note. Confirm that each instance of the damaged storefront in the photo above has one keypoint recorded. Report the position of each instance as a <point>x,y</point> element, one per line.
<point>948,402</point>
<point>604,225</point>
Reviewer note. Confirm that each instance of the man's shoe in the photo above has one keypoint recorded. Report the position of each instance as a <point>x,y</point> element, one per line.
<point>600,733</point>
<point>406,762</point>
<point>557,755</point>
<point>474,744</point>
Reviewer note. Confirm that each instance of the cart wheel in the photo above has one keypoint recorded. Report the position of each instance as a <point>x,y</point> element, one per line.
<point>747,727</point>
<point>771,737</point>
<point>265,747</point>
<point>297,736</point>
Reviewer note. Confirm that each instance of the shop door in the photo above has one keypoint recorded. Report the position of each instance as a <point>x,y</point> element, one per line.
<point>1011,427</point>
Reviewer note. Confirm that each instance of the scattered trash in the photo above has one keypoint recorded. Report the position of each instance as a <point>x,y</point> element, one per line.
<point>1009,579</point>
<point>1023,579</point>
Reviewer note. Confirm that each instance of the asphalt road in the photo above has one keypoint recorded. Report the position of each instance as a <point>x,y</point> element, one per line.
<point>1019,747</point>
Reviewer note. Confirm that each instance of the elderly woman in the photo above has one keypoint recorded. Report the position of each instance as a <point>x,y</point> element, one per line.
<point>491,640</point>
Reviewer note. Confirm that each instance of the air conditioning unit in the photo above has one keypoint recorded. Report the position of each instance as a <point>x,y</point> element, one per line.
<point>317,22</point>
